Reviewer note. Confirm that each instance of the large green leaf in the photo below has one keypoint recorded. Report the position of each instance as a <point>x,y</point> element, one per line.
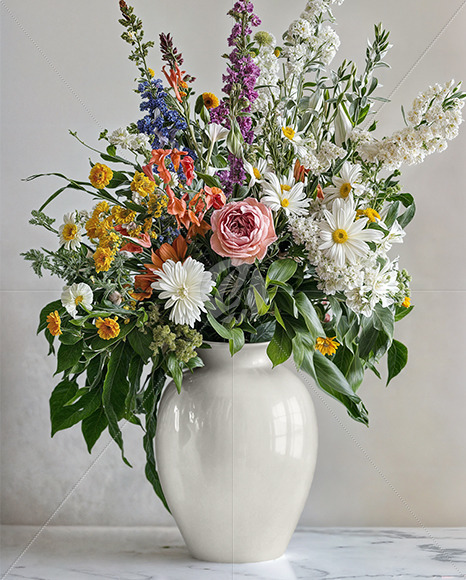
<point>93,426</point>
<point>281,271</point>
<point>64,415</point>
<point>384,319</point>
<point>151,398</point>
<point>280,347</point>
<point>141,342</point>
<point>115,390</point>
<point>68,355</point>
<point>397,359</point>
<point>308,312</point>
<point>330,377</point>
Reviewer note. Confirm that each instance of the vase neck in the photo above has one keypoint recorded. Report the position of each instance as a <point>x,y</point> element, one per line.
<point>251,355</point>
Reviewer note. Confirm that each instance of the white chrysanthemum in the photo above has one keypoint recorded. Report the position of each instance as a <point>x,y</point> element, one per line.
<point>70,232</point>
<point>257,171</point>
<point>186,286</point>
<point>76,294</point>
<point>121,137</point>
<point>140,141</point>
<point>346,184</point>
<point>283,194</point>
<point>217,132</point>
<point>343,237</point>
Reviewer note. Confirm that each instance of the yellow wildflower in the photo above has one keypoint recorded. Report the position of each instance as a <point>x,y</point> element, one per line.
<point>151,72</point>
<point>210,100</point>
<point>103,258</point>
<point>142,184</point>
<point>122,215</point>
<point>156,204</point>
<point>101,207</point>
<point>277,52</point>
<point>289,132</point>
<point>406,302</point>
<point>100,176</point>
<point>327,345</point>
<point>54,323</point>
<point>108,328</point>
<point>370,213</point>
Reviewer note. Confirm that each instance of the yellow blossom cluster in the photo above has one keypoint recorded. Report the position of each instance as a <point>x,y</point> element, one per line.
<point>142,184</point>
<point>100,227</point>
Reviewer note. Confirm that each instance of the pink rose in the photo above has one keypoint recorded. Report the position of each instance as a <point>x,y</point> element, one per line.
<point>242,231</point>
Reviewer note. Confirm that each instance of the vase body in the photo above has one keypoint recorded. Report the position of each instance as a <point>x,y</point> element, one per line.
<point>236,452</point>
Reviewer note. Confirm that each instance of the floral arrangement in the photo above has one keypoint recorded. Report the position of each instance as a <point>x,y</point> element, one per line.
<point>267,216</point>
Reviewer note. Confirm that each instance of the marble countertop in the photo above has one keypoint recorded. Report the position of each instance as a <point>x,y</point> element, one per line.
<point>86,553</point>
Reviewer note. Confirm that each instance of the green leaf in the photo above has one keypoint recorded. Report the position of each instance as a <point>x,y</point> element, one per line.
<point>219,328</point>
<point>236,340</point>
<point>262,306</point>
<point>350,365</point>
<point>280,347</point>
<point>281,271</point>
<point>396,359</point>
<point>114,391</point>
<point>93,426</point>
<point>175,370</point>
<point>68,355</point>
<point>64,415</point>
<point>136,366</point>
<point>384,319</point>
<point>402,311</point>
<point>55,305</point>
<point>69,337</point>
<point>407,216</point>
<point>278,316</point>
<point>330,377</point>
<point>209,180</point>
<point>119,178</point>
<point>264,332</point>
<point>140,343</point>
<point>151,398</point>
<point>368,338</point>
<point>308,312</point>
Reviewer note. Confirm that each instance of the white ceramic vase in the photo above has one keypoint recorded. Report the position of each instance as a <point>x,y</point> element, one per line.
<point>236,452</point>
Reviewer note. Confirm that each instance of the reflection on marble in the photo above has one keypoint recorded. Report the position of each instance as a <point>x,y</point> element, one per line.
<point>80,553</point>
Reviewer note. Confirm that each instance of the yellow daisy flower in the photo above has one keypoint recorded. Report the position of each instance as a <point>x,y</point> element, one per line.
<point>100,176</point>
<point>103,258</point>
<point>108,328</point>
<point>327,345</point>
<point>210,100</point>
<point>406,302</point>
<point>54,323</point>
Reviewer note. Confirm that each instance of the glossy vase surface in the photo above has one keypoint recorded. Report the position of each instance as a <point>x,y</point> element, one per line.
<point>236,452</point>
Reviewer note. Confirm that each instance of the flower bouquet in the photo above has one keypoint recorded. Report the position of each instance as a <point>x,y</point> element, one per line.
<point>268,216</point>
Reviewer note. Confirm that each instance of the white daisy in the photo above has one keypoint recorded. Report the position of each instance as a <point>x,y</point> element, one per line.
<point>77,294</point>
<point>346,184</point>
<point>344,238</point>
<point>186,285</point>
<point>70,232</point>
<point>257,171</point>
<point>284,194</point>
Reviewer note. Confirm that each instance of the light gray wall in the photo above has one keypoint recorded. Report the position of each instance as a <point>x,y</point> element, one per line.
<point>64,67</point>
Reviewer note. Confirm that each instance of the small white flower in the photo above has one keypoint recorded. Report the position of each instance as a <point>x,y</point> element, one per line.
<point>217,132</point>
<point>186,286</point>
<point>256,172</point>
<point>346,184</point>
<point>70,232</point>
<point>284,194</point>
<point>121,137</point>
<point>344,238</point>
<point>77,294</point>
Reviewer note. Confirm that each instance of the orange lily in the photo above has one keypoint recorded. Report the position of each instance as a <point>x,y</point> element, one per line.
<point>174,79</point>
<point>176,157</point>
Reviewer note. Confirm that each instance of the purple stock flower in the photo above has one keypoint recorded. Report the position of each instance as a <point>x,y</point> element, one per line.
<point>240,80</point>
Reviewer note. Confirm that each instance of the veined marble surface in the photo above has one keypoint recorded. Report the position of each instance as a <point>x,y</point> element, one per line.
<point>84,553</point>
